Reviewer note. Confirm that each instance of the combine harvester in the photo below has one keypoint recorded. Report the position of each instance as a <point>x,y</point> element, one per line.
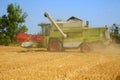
<point>73,33</point>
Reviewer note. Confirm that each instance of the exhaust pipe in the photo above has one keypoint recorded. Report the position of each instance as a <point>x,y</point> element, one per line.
<point>53,22</point>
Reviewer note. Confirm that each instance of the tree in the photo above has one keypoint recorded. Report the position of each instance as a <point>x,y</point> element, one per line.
<point>115,33</point>
<point>11,24</point>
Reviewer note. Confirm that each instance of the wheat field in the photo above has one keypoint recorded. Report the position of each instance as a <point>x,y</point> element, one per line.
<point>18,63</point>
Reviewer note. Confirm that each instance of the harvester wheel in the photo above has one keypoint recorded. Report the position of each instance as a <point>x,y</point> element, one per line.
<point>84,48</point>
<point>55,45</point>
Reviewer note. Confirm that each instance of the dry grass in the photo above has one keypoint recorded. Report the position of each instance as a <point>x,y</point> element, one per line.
<point>37,64</point>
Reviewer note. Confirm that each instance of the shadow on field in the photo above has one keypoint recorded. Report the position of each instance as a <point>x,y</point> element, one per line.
<point>26,50</point>
<point>118,77</point>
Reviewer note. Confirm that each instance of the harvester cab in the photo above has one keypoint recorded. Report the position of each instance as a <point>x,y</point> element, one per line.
<point>73,33</point>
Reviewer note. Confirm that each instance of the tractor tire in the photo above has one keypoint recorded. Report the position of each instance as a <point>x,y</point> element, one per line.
<point>55,45</point>
<point>84,48</point>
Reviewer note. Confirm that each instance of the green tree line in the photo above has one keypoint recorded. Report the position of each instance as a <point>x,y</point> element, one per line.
<point>11,24</point>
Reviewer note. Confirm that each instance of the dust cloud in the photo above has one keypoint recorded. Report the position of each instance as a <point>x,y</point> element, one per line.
<point>103,48</point>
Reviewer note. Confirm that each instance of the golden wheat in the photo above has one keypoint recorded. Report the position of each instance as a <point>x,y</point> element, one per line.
<point>37,64</point>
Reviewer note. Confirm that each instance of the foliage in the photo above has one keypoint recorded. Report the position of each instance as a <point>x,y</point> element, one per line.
<point>115,33</point>
<point>11,24</point>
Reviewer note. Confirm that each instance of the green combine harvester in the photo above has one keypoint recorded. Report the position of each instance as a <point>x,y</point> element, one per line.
<point>73,33</point>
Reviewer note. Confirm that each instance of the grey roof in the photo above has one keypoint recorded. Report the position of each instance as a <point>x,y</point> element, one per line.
<point>74,18</point>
